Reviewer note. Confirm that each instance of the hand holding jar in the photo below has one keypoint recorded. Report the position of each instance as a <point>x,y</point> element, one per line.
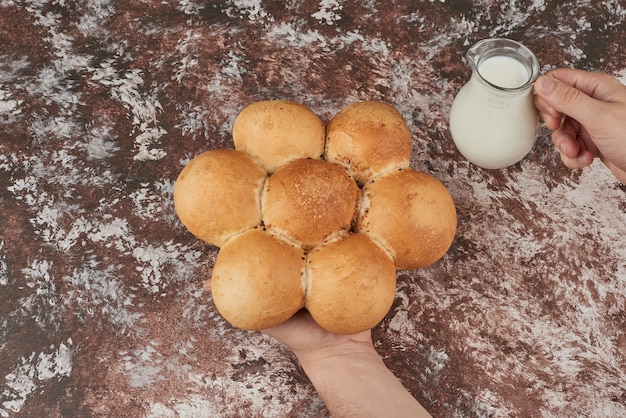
<point>587,112</point>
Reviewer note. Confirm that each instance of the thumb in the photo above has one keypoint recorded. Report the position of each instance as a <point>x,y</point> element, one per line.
<point>568,100</point>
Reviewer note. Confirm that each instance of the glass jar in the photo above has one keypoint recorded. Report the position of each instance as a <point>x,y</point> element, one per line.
<point>493,120</point>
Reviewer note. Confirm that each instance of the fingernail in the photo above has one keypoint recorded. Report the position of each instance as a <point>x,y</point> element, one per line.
<point>583,159</point>
<point>546,84</point>
<point>563,148</point>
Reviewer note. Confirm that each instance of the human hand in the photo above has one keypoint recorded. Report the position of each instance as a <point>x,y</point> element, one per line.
<point>348,374</point>
<point>587,113</point>
<point>305,338</point>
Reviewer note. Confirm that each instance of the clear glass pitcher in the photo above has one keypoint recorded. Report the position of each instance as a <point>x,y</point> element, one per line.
<point>493,121</point>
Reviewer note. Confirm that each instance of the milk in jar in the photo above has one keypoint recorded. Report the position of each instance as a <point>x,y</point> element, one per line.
<point>493,121</point>
<point>504,72</point>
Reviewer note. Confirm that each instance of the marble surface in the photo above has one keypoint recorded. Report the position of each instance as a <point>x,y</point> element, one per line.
<point>101,307</point>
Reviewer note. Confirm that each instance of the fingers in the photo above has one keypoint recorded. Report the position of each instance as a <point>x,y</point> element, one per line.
<point>600,86</point>
<point>572,141</point>
<point>565,139</point>
<point>550,116</point>
<point>206,286</point>
<point>555,98</point>
<point>577,106</point>
<point>595,100</point>
<point>583,159</point>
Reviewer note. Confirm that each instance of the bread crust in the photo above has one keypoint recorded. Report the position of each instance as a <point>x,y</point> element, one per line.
<point>277,131</point>
<point>369,138</point>
<point>411,214</point>
<point>217,195</point>
<point>310,200</point>
<point>352,284</point>
<point>258,280</point>
<point>301,229</point>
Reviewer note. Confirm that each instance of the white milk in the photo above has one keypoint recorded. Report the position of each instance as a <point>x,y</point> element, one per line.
<point>504,72</point>
<point>494,123</point>
<point>490,126</point>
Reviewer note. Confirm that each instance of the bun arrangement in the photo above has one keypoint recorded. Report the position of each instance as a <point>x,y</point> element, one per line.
<point>313,215</point>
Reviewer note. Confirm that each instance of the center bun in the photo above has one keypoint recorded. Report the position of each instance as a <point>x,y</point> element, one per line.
<point>309,201</point>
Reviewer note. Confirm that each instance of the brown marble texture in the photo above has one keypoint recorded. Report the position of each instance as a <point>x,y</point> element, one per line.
<point>101,307</point>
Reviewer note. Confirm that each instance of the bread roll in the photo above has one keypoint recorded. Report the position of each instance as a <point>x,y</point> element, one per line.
<point>277,131</point>
<point>368,138</point>
<point>258,280</point>
<point>352,284</point>
<point>411,214</point>
<point>218,195</point>
<point>310,200</point>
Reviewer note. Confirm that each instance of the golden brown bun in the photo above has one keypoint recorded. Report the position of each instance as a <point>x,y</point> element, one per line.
<point>352,284</point>
<point>258,280</point>
<point>218,195</point>
<point>411,214</point>
<point>309,200</point>
<point>277,131</point>
<point>368,138</point>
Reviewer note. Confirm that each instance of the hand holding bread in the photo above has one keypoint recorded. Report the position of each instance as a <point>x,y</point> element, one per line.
<point>314,216</point>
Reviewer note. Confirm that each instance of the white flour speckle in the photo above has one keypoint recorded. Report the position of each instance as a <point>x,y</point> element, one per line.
<point>187,47</point>
<point>328,12</point>
<point>143,366</point>
<point>190,7</point>
<point>97,290</point>
<point>161,265</point>
<point>253,9</point>
<point>143,107</point>
<point>193,120</point>
<point>9,107</point>
<point>100,143</point>
<point>4,268</point>
<point>34,371</point>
